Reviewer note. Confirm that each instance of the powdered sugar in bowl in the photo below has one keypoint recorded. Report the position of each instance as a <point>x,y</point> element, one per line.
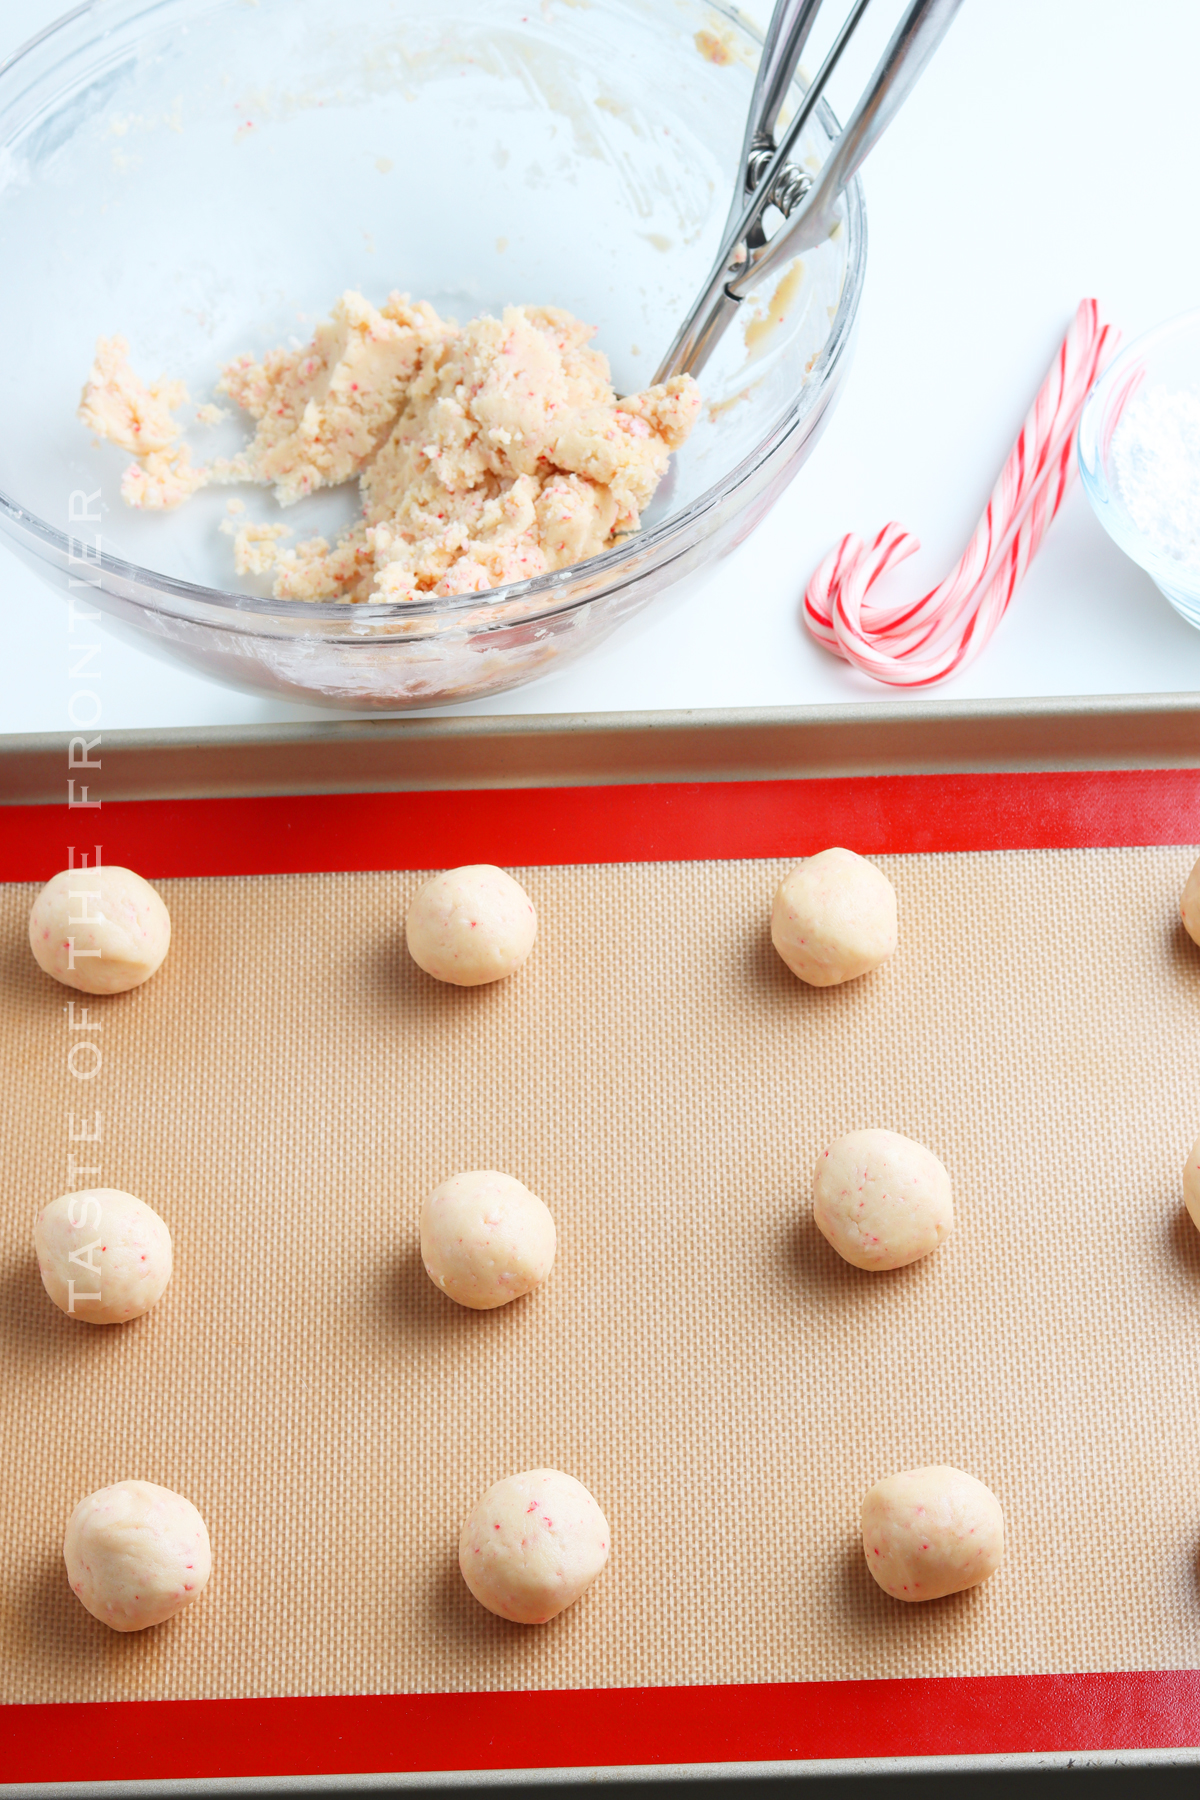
<point>1139,456</point>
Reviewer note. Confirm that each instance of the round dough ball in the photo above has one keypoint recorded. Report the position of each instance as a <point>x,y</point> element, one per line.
<point>532,1544</point>
<point>1189,910</point>
<point>136,1554</point>
<point>485,1239</point>
<point>104,1256</point>
<point>834,918</point>
<point>931,1532</point>
<point>471,925</point>
<point>120,928</point>
<point>881,1200</point>
<point>1191,1184</point>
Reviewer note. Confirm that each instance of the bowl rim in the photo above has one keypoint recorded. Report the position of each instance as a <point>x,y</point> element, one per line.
<point>1116,386</point>
<point>1094,432</point>
<point>492,609</point>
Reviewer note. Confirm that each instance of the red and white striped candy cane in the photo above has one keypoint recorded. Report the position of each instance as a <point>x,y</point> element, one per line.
<point>914,645</point>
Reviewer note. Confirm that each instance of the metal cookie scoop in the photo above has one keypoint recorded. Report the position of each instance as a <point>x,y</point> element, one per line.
<point>769,178</point>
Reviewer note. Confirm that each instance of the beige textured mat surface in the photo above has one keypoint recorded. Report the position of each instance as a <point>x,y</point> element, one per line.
<point>289,1086</point>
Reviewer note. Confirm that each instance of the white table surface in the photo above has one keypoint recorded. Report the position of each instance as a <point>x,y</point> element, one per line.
<point>1050,151</point>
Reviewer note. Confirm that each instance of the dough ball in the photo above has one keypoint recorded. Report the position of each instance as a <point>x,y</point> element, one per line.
<point>1191,1184</point>
<point>931,1532</point>
<point>120,928</point>
<point>834,917</point>
<point>532,1545</point>
<point>486,1239</point>
<point>1189,910</point>
<point>136,1554</point>
<point>103,1255</point>
<point>881,1200</point>
<point>471,925</point>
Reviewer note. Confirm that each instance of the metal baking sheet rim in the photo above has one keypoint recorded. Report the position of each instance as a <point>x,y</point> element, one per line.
<point>453,1779</point>
<point>396,755</point>
<point>1121,731</point>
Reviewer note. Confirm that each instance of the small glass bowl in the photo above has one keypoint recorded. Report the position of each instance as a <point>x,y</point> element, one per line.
<point>1167,357</point>
<point>206,176</point>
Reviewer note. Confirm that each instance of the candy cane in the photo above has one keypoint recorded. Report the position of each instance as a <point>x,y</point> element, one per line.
<point>954,621</point>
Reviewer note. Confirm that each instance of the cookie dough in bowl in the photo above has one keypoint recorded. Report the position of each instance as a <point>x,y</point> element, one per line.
<point>532,1545</point>
<point>471,925</point>
<point>485,1239</point>
<point>930,1532</point>
<point>485,455</point>
<point>566,190</point>
<point>834,918</point>
<point>136,1554</point>
<point>101,931</point>
<point>103,1255</point>
<point>881,1199</point>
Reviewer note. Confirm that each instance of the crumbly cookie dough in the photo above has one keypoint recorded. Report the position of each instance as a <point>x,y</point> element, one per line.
<point>485,454</point>
<point>136,1554</point>
<point>532,1545</point>
<point>255,545</point>
<point>101,931</point>
<point>834,918</point>
<point>881,1199</point>
<point>120,406</point>
<point>930,1532</point>
<point>471,925</point>
<point>104,1256</point>
<point>322,411</point>
<point>485,1239</point>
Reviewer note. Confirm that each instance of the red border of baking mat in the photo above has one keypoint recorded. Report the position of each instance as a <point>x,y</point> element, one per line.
<point>355,1734</point>
<point>364,1734</point>
<point>655,822</point>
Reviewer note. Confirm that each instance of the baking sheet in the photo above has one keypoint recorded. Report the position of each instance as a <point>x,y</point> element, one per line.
<point>522,750</point>
<point>289,1086</point>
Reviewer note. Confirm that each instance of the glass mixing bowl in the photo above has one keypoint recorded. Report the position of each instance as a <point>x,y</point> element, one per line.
<point>1169,358</point>
<point>207,176</point>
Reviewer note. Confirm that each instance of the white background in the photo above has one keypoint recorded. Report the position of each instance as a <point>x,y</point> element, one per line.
<point>1051,151</point>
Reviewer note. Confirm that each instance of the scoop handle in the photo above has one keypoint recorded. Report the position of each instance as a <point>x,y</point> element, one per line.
<point>913,42</point>
<point>783,46</point>
<point>742,240</point>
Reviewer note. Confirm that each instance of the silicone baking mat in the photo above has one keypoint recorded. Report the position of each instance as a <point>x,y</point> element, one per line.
<point>289,1086</point>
